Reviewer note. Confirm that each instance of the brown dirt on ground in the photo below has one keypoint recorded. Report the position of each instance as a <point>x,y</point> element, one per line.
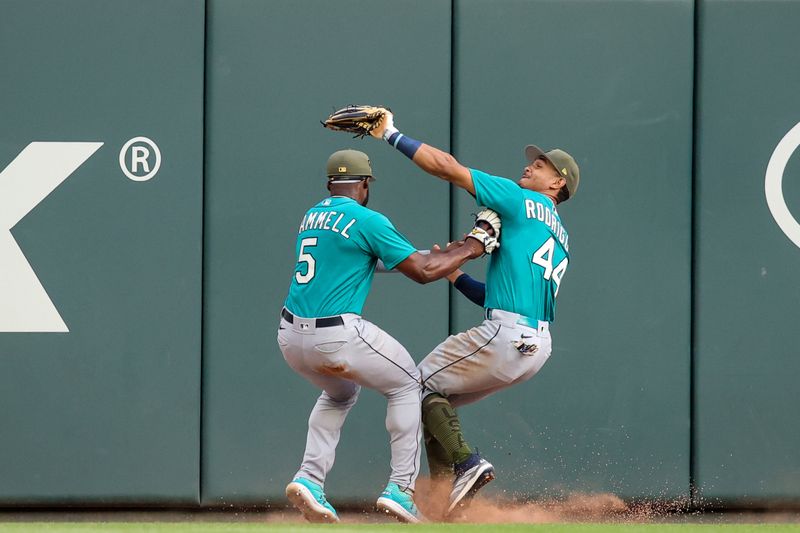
<point>432,499</point>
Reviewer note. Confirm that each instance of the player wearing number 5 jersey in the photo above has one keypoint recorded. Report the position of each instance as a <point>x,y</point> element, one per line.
<point>324,338</point>
<point>513,343</point>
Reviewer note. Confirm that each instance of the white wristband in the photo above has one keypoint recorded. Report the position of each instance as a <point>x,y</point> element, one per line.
<point>388,132</point>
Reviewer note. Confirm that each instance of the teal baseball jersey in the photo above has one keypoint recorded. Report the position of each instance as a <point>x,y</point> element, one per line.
<point>525,272</point>
<point>338,245</point>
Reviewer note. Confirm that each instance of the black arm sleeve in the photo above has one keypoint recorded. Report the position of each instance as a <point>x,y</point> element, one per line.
<point>471,288</point>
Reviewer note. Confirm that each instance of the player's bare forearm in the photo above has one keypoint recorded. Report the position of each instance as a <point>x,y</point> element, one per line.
<point>453,276</point>
<point>430,159</point>
<point>427,268</point>
<point>443,165</point>
<point>440,265</point>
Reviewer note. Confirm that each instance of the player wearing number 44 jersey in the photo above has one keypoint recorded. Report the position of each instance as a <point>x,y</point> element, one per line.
<point>324,339</point>
<point>523,279</point>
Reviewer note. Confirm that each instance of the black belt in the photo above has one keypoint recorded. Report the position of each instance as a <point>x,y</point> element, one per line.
<point>319,322</point>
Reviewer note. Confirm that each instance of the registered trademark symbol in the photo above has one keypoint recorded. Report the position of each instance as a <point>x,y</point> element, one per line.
<point>140,159</point>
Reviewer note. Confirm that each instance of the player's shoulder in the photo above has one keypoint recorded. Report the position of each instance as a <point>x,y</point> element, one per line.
<point>367,218</point>
<point>483,180</point>
<point>362,210</point>
<point>483,175</point>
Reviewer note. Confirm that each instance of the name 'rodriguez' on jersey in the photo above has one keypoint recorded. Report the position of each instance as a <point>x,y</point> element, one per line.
<point>543,213</point>
<point>525,272</point>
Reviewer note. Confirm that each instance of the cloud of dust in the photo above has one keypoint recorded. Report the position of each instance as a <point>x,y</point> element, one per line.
<point>432,498</point>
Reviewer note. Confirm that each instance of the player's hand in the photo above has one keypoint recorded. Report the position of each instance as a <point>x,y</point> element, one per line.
<point>385,125</point>
<point>486,230</point>
<point>480,242</point>
<point>476,247</point>
<point>452,245</point>
<point>455,244</point>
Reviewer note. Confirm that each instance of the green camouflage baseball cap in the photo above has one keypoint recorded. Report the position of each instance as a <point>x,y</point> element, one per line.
<point>564,163</point>
<point>345,165</point>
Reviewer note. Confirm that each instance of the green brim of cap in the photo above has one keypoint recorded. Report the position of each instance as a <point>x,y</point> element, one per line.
<point>533,152</point>
<point>350,179</point>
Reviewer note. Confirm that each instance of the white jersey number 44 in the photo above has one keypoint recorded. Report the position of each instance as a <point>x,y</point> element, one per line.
<point>544,258</point>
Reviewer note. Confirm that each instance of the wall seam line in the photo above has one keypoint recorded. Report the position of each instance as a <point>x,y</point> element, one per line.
<point>203,258</point>
<point>451,306</point>
<point>693,495</point>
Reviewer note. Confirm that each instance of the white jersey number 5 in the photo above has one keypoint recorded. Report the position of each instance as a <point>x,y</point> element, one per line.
<point>544,258</point>
<point>308,259</point>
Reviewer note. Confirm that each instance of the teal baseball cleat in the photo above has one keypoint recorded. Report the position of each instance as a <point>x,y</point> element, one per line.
<point>400,504</point>
<point>309,499</point>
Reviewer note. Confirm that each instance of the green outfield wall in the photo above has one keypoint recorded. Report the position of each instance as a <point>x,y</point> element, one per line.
<point>610,410</point>
<point>107,412</point>
<point>156,158</point>
<point>260,180</point>
<point>747,291</point>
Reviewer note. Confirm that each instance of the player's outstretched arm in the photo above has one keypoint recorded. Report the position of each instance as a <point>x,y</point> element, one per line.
<point>430,159</point>
<point>426,268</point>
<point>443,165</point>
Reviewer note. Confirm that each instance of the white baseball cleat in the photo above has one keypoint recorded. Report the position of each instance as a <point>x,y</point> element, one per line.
<point>471,475</point>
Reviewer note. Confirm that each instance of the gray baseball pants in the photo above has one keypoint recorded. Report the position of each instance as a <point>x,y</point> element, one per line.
<point>340,360</point>
<point>490,357</point>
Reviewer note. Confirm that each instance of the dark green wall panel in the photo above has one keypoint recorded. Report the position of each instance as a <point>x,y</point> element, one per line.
<point>274,70</point>
<point>610,82</point>
<point>109,412</point>
<point>748,293</point>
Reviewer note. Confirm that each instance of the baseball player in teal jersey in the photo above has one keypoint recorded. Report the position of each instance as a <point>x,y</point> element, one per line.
<point>324,338</point>
<point>524,275</point>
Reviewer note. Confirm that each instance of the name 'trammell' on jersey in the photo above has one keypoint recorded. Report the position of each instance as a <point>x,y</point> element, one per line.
<point>542,213</point>
<point>322,220</point>
<point>338,246</point>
